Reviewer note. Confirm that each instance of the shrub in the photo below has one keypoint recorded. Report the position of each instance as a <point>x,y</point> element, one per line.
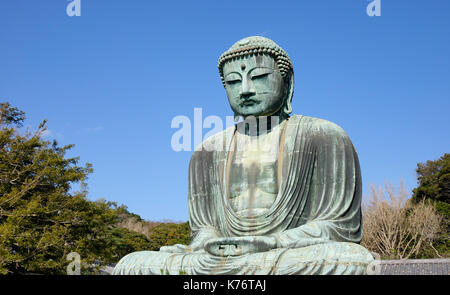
<point>397,228</point>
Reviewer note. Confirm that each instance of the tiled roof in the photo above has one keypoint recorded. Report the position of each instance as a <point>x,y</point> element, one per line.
<point>415,267</point>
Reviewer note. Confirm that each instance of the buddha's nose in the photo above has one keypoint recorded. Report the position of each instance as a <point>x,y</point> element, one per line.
<point>247,88</point>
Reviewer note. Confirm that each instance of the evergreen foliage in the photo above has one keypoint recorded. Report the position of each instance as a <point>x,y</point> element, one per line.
<point>434,187</point>
<point>42,218</point>
<point>167,234</point>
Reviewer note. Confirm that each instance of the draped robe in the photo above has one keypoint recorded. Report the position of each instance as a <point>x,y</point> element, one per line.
<point>316,216</point>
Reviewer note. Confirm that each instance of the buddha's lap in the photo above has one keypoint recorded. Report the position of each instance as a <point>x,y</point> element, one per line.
<point>280,261</point>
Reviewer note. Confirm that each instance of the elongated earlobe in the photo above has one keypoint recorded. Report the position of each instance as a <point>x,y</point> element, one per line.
<point>287,109</point>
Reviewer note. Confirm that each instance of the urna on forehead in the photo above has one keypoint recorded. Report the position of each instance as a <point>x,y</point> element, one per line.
<point>257,45</point>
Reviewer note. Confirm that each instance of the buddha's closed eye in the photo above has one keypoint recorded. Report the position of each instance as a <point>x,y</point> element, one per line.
<point>233,78</point>
<point>232,82</point>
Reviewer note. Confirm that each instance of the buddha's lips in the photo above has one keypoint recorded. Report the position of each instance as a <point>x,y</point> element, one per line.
<point>248,102</point>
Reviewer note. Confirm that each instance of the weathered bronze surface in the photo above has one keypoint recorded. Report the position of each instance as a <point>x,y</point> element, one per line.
<point>276,193</point>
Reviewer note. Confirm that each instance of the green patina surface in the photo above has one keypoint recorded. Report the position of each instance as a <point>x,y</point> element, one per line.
<point>279,196</point>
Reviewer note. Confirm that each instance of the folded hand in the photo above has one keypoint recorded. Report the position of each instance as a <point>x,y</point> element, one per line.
<point>235,246</point>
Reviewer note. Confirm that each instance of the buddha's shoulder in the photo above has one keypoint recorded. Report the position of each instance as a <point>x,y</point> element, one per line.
<point>317,126</point>
<point>216,141</point>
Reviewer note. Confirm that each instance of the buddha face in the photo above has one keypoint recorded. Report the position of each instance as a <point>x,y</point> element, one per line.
<point>254,86</point>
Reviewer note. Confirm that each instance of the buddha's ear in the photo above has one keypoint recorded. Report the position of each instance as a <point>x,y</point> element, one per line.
<point>289,80</point>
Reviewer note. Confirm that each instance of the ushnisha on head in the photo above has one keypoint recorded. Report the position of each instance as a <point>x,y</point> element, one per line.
<point>258,77</point>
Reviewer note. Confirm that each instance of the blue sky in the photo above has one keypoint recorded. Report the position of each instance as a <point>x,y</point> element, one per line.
<point>111,80</point>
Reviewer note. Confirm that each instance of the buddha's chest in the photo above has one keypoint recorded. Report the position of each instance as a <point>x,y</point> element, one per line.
<point>253,179</point>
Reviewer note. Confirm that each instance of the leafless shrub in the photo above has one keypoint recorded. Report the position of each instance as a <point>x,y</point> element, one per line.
<point>394,226</point>
<point>140,226</point>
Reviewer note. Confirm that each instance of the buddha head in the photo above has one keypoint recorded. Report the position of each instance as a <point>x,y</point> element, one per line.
<point>258,78</point>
